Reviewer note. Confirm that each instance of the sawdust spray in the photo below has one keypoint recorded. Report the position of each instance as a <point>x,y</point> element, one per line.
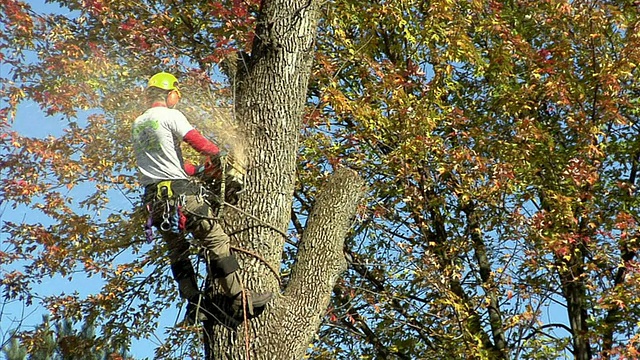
<point>214,118</point>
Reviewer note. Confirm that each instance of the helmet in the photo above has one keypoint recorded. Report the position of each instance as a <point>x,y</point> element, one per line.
<point>164,80</point>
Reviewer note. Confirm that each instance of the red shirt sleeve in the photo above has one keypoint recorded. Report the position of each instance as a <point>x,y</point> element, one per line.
<point>200,143</point>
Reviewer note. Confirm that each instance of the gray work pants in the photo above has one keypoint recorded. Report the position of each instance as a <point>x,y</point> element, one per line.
<point>210,237</point>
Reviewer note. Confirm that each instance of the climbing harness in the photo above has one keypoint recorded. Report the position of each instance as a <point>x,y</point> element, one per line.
<point>172,217</point>
<point>222,180</point>
<point>164,202</point>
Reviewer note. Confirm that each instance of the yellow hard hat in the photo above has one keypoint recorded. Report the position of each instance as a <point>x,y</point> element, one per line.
<point>164,80</point>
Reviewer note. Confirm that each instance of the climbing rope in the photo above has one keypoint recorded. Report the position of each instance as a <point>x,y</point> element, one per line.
<point>245,322</point>
<point>261,222</point>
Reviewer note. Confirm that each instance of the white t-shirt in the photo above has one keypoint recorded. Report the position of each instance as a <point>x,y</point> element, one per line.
<point>157,135</point>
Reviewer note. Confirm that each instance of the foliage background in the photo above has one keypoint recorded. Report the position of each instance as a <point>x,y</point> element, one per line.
<point>498,140</point>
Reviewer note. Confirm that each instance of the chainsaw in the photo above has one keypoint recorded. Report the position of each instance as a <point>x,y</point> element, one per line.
<point>223,174</point>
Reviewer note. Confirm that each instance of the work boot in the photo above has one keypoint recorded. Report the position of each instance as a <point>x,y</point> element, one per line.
<point>196,310</point>
<point>254,301</point>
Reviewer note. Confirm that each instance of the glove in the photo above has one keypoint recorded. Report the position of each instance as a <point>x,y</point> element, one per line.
<point>211,167</point>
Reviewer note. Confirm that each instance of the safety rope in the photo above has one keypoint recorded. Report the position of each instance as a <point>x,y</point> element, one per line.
<point>249,252</point>
<point>243,250</point>
<point>223,187</point>
<point>198,307</point>
<point>261,222</point>
<point>245,322</point>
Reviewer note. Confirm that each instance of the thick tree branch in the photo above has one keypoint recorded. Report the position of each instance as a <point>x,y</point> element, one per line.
<point>320,256</point>
<point>438,237</point>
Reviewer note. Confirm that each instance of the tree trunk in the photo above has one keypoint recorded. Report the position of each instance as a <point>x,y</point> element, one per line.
<point>271,86</point>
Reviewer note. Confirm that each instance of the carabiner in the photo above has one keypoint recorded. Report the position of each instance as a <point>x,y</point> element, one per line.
<point>166,223</point>
<point>166,218</point>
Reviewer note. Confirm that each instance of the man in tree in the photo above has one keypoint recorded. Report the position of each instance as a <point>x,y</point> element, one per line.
<point>177,202</point>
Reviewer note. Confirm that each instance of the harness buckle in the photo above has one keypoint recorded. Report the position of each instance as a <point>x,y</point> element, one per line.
<point>164,190</point>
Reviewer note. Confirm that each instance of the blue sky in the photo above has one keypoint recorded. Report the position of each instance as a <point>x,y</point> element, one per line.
<point>31,121</point>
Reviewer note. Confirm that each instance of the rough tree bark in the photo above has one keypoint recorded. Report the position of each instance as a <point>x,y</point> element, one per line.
<point>271,87</point>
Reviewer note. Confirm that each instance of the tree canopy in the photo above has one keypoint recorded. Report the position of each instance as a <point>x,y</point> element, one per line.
<point>60,341</point>
<point>497,141</point>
